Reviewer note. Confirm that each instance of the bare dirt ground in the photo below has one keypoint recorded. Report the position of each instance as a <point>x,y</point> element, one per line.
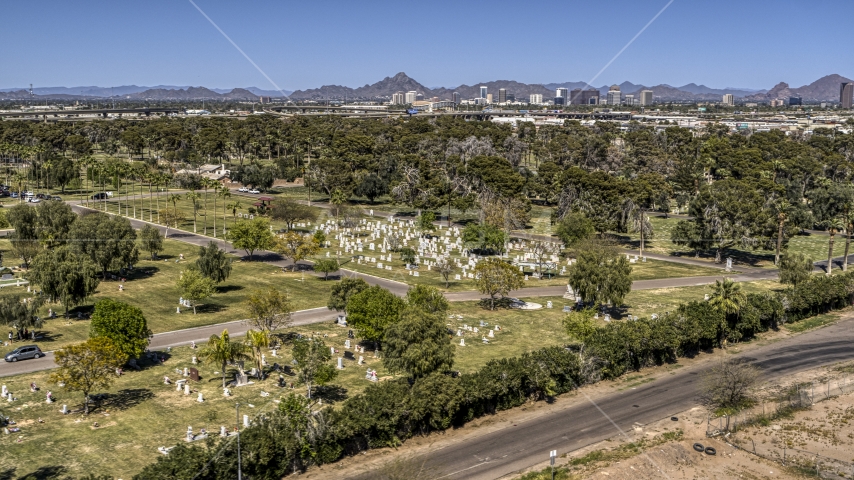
<point>826,428</point>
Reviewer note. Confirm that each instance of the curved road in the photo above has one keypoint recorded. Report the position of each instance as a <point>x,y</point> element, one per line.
<point>521,444</point>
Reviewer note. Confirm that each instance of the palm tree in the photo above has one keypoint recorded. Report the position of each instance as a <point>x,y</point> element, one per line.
<point>225,193</point>
<point>175,198</point>
<point>638,221</point>
<point>833,226</point>
<point>257,340</point>
<point>207,183</point>
<point>234,207</point>
<point>193,197</point>
<point>782,208</point>
<point>728,299</point>
<point>338,198</point>
<point>221,350</point>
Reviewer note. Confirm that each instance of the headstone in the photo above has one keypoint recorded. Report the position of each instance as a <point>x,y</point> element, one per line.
<point>5,390</point>
<point>194,375</point>
<point>361,360</point>
<point>491,334</point>
<point>729,264</point>
<point>246,420</point>
<point>186,389</point>
<point>462,342</point>
<point>263,360</point>
<point>706,297</point>
<point>222,431</point>
<point>64,410</point>
<point>226,392</point>
<point>186,371</point>
<point>459,333</point>
<point>201,399</point>
<point>347,344</point>
<point>195,360</point>
<point>49,397</point>
<point>189,434</point>
<point>349,356</point>
<point>340,363</point>
<point>549,304</point>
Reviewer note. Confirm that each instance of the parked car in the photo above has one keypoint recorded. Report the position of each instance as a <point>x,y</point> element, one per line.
<point>255,191</point>
<point>99,196</point>
<point>243,189</point>
<point>34,200</point>
<point>28,194</point>
<point>56,198</point>
<point>14,195</point>
<point>23,353</point>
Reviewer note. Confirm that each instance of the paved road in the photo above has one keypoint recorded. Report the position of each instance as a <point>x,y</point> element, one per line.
<point>480,456</point>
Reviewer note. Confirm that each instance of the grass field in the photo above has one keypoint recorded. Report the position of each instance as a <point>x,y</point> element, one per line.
<point>152,288</point>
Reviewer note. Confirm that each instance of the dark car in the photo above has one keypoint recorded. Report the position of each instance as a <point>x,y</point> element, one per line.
<point>99,196</point>
<point>23,353</point>
<point>56,198</point>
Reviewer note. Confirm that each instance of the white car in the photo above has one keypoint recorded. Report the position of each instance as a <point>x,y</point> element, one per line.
<point>243,189</point>
<point>34,200</point>
<point>255,191</point>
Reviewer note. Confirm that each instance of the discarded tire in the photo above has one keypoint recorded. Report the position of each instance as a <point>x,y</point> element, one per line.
<point>710,451</point>
<point>699,447</point>
<point>675,419</point>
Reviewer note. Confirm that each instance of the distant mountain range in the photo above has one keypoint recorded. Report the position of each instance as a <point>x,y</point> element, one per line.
<point>823,89</point>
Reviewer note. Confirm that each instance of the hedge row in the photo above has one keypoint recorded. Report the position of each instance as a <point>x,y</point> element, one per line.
<point>388,413</point>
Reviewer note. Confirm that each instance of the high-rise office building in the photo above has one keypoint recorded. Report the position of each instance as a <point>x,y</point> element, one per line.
<point>502,95</point>
<point>535,99</point>
<point>560,101</point>
<point>646,97</point>
<point>411,96</point>
<point>511,97</point>
<point>728,99</point>
<point>483,91</point>
<point>795,101</point>
<point>562,92</point>
<point>488,98</point>
<point>846,94</point>
<point>629,100</point>
<point>584,97</point>
<point>456,98</point>
<point>398,98</point>
<point>614,95</point>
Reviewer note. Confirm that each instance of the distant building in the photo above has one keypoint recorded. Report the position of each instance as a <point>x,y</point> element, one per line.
<point>511,97</point>
<point>629,99</point>
<point>560,101</point>
<point>846,94</point>
<point>411,96</point>
<point>483,91</point>
<point>728,99</point>
<point>535,99</point>
<point>455,97</point>
<point>795,101</point>
<point>614,95</point>
<point>398,98</point>
<point>419,97</point>
<point>646,97</point>
<point>263,99</point>
<point>502,95</point>
<point>777,102</point>
<point>562,92</point>
<point>584,97</point>
<point>488,98</point>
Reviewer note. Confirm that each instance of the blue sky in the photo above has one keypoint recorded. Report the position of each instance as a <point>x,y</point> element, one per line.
<point>304,44</point>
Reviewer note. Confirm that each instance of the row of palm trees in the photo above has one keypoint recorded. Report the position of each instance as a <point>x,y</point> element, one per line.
<point>200,202</point>
<point>221,350</point>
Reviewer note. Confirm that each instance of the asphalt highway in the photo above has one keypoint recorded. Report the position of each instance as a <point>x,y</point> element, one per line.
<point>517,446</point>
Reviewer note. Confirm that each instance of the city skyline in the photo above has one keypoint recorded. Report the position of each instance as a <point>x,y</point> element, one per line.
<point>172,43</point>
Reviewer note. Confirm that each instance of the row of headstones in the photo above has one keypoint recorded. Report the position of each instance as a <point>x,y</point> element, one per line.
<point>223,432</point>
<point>5,393</point>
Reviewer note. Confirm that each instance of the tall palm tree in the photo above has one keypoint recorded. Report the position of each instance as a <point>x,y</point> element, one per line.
<point>207,183</point>
<point>225,193</point>
<point>175,198</point>
<point>728,298</point>
<point>234,207</point>
<point>222,351</point>
<point>193,197</point>
<point>637,221</point>
<point>257,340</point>
<point>338,198</point>
<point>782,208</point>
<point>833,226</point>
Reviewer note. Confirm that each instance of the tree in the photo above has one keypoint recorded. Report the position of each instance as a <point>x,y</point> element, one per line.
<point>575,227</point>
<point>64,276</point>
<point>372,187</point>
<point>542,252</point>
<point>600,274</point>
<point>150,241</point>
<point>21,313</point>
<point>290,211</point>
<point>496,277</point>
<point>425,222</point>
<point>418,344</point>
<point>221,351</point>
<point>124,324</point>
<point>484,237</point>
<point>257,341</point>
<point>372,310</point>
<point>795,268</point>
<point>312,357</point>
<point>175,198</point>
<point>833,226</point>
<point>729,386</point>
<point>343,291</point>
<point>25,243</point>
<point>269,309</point>
<point>427,298</point>
<point>251,235</point>
<point>53,222</point>
<point>445,269</point>
<point>407,255</point>
<point>295,246</point>
<point>637,221</point>
<point>194,197</point>
<point>87,366</point>
<point>326,266</point>
<point>338,198</point>
<point>108,240</point>
<point>194,286</point>
<point>214,263</point>
<point>728,299</point>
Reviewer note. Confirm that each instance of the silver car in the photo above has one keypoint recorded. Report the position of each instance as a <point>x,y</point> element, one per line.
<point>23,353</point>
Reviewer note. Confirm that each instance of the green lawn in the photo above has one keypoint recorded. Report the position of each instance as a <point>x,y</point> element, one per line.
<point>152,288</point>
